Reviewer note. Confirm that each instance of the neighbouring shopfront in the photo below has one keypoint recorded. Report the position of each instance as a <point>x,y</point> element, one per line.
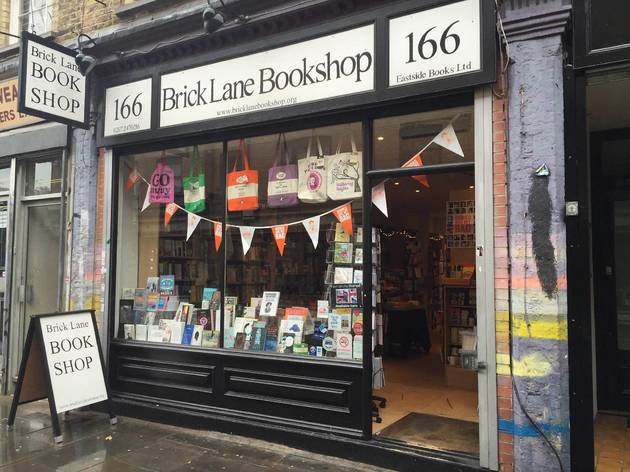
<point>298,217</point>
<point>33,162</point>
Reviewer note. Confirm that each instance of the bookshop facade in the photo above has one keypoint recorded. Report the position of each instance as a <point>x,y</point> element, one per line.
<point>260,190</point>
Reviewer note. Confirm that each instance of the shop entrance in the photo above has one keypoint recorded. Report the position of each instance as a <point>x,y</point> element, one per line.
<point>425,369</point>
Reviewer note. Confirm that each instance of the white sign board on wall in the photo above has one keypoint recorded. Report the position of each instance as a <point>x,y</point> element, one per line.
<point>434,44</point>
<point>74,361</point>
<point>330,66</point>
<point>51,85</point>
<point>128,108</point>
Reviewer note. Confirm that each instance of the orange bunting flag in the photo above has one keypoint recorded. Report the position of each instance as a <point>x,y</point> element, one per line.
<point>132,179</point>
<point>218,235</point>
<point>416,161</point>
<point>280,235</point>
<point>170,210</point>
<point>344,215</point>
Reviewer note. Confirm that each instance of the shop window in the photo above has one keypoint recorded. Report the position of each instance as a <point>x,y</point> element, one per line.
<point>293,274</point>
<point>36,16</point>
<point>169,271</point>
<point>398,139</point>
<point>43,177</point>
<point>5,180</point>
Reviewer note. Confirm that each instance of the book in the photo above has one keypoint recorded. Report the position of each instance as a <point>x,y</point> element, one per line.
<point>188,333</point>
<point>293,326</point>
<point>344,345</point>
<point>340,234</point>
<point>153,284</point>
<point>141,332</point>
<point>271,338</point>
<point>300,349</point>
<point>167,284</point>
<point>343,275</point>
<point>127,293</point>
<point>140,299</point>
<point>334,320</point>
<point>243,325</point>
<point>172,303</point>
<point>359,235</point>
<point>358,255</point>
<point>155,333</point>
<point>343,253</point>
<point>296,311</point>
<point>249,312</point>
<point>255,302</point>
<point>239,341</point>
<point>161,306</point>
<point>206,298</point>
<point>125,312</point>
<point>130,332</point>
<point>229,338</point>
<point>357,276</point>
<point>269,304</point>
<point>203,318</point>
<point>286,343</point>
<point>357,347</point>
<point>345,315</point>
<point>211,339</point>
<point>322,309</point>
<point>258,338</point>
<point>153,299</point>
<point>197,335</point>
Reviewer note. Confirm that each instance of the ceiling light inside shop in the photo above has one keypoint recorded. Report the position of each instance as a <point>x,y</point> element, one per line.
<point>396,183</point>
<point>380,138</point>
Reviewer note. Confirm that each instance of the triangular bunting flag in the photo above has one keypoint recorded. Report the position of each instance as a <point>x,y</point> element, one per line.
<point>247,235</point>
<point>379,199</point>
<point>218,235</point>
<point>280,235</point>
<point>147,200</point>
<point>416,161</point>
<point>312,228</point>
<point>193,221</point>
<point>170,210</point>
<point>448,139</point>
<point>132,178</point>
<point>344,215</point>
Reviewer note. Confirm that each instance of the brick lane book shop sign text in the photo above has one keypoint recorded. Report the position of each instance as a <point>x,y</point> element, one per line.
<point>51,85</point>
<point>74,362</point>
<point>330,66</point>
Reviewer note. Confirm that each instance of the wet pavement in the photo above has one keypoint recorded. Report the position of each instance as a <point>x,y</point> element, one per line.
<point>92,445</point>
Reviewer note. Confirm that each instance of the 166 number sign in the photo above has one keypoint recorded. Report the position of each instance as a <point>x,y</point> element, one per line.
<point>128,108</point>
<point>436,43</point>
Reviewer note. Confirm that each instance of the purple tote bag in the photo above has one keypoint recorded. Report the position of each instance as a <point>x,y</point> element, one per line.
<point>282,183</point>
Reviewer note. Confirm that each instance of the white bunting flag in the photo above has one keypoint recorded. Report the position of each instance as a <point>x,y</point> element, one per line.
<point>247,235</point>
<point>147,200</point>
<point>379,199</point>
<point>193,221</point>
<point>448,139</point>
<point>312,228</point>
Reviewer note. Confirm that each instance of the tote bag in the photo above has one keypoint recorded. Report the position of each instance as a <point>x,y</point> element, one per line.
<point>282,183</point>
<point>242,188</point>
<point>195,187</point>
<point>344,173</point>
<point>162,184</point>
<point>312,176</point>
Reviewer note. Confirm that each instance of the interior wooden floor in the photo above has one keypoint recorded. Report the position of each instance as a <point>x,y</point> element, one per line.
<point>417,384</point>
<point>612,443</point>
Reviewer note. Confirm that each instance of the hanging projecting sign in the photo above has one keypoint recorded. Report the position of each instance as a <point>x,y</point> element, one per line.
<point>128,108</point>
<point>326,67</point>
<point>434,44</point>
<point>62,361</point>
<point>51,85</point>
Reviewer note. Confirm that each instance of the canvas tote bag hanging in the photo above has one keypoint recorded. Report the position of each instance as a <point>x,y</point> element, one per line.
<point>344,171</point>
<point>195,186</point>
<point>162,181</point>
<point>312,176</point>
<point>282,183</point>
<point>242,188</point>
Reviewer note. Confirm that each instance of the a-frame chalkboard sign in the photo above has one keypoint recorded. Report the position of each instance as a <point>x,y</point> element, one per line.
<point>62,361</point>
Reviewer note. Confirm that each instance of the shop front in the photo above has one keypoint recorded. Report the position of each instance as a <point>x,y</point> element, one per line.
<point>301,231</point>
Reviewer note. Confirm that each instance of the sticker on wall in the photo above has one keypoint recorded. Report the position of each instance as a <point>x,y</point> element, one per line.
<point>448,140</point>
<point>344,215</point>
<point>247,235</point>
<point>169,211</point>
<point>416,161</point>
<point>312,229</point>
<point>280,235</point>
<point>162,188</point>
<point>193,222</point>
<point>218,235</point>
<point>147,200</point>
<point>379,199</point>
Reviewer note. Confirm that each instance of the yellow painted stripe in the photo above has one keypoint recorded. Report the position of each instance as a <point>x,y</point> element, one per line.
<point>503,369</point>
<point>540,329</point>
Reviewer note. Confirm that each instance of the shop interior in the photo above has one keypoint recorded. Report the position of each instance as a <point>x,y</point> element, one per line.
<point>426,393</point>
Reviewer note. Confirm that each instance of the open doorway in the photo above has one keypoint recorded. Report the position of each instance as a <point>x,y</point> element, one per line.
<point>608,99</point>
<point>425,369</point>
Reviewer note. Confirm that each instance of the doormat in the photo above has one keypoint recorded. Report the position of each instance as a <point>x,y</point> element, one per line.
<point>435,432</point>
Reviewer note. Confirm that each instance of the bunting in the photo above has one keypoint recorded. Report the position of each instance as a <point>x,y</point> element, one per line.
<point>218,234</point>
<point>416,161</point>
<point>379,199</point>
<point>247,235</point>
<point>448,139</point>
<point>312,229</point>
<point>169,211</point>
<point>193,222</point>
<point>280,235</point>
<point>147,200</point>
<point>132,179</point>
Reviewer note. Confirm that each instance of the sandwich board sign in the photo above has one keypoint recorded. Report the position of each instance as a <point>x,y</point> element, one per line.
<point>63,362</point>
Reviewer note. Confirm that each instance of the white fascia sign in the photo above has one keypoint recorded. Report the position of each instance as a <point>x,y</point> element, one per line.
<point>128,108</point>
<point>330,66</point>
<point>50,84</point>
<point>435,44</point>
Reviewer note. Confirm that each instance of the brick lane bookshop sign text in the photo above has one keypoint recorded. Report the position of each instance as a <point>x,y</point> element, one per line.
<point>435,44</point>
<point>330,66</point>
<point>74,362</point>
<point>51,85</point>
